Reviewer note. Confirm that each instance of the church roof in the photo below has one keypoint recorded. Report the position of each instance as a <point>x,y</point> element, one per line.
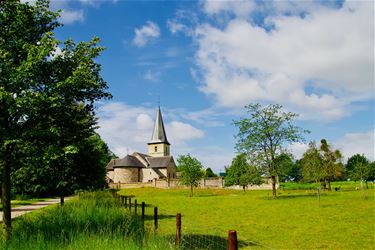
<point>159,162</point>
<point>159,135</point>
<point>128,161</point>
<point>110,165</point>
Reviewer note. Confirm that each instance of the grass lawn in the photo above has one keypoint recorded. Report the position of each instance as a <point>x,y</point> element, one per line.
<point>344,220</point>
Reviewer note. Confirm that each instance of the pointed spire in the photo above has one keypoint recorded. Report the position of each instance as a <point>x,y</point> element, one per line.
<point>159,135</point>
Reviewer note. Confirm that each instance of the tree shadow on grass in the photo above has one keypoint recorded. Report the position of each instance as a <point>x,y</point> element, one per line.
<point>205,242</point>
<point>291,196</point>
<point>160,217</point>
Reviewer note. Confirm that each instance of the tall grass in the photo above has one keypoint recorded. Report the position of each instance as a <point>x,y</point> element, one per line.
<point>92,221</point>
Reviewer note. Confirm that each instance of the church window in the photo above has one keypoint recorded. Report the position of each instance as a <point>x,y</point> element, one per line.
<point>156,148</point>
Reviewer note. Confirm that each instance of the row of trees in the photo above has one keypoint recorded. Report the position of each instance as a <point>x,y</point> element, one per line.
<point>47,118</point>
<point>262,143</point>
<point>318,164</point>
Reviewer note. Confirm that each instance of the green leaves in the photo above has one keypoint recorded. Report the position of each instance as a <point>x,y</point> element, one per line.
<point>242,173</point>
<point>191,170</point>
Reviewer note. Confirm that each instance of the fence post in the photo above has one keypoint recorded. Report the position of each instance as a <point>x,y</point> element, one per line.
<point>156,218</point>
<point>143,210</point>
<point>232,240</point>
<point>135,206</point>
<point>178,230</point>
<point>126,201</point>
<point>130,204</point>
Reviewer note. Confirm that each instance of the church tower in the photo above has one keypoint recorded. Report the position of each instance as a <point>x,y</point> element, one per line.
<point>159,145</point>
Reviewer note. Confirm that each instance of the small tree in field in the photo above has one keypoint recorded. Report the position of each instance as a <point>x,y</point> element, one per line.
<point>191,171</point>
<point>242,173</point>
<point>312,164</point>
<point>264,134</point>
<point>359,168</point>
<point>332,162</point>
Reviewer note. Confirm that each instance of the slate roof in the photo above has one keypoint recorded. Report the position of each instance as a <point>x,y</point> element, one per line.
<point>159,135</point>
<point>159,162</point>
<point>110,165</point>
<point>128,161</point>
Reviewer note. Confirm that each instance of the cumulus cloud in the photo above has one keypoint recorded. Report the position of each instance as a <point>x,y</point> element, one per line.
<point>146,34</point>
<point>316,64</point>
<point>71,16</point>
<point>357,143</point>
<point>179,132</point>
<point>128,128</point>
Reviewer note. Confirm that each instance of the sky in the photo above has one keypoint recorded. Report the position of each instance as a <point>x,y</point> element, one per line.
<point>206,60</point>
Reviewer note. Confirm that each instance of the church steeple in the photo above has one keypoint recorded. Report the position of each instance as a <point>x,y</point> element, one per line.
<point>159,145</point>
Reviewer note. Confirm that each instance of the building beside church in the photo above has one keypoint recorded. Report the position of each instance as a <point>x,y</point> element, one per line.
<point>138,167</point>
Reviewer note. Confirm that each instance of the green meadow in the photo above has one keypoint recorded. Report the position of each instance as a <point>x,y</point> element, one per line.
<point>295,220</point>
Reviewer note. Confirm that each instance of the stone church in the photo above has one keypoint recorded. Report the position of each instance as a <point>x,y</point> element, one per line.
<point>138,167</point>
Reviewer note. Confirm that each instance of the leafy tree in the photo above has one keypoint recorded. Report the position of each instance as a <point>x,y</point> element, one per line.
<point>295,173</point>
<point>312,163</point>
<point>43,95</point>
<point>210,173</point>
<point>264,135</point>
<point>35,178</point>
<point>359,168</point>
<point>236,170</point>
<point>284,163</point>
<point>191,171</point>
<point>332,162</point>
<point>24,41</point>
<point>242,173</point>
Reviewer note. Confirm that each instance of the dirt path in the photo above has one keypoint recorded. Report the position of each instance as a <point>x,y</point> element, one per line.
<point>18,211</point>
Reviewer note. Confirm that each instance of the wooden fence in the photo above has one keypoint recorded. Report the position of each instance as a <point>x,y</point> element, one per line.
<point>126,201</point>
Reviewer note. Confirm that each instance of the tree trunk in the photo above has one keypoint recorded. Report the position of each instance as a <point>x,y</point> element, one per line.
<point>273,178</point>
<point>191,190</point>
<point>6,197</point>
<point>61,199</point>
<point>329,183</point>
<point>243,188</point>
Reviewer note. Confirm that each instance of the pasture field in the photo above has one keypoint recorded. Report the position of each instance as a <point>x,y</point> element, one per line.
<point>344,219</point>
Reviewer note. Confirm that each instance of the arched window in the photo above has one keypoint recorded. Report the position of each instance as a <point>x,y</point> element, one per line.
<point>156,148</point>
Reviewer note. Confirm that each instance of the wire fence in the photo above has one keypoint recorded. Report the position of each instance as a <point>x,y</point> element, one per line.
<point>187,234</point>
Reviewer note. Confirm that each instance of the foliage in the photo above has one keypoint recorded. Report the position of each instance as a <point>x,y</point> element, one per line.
<point>191,171</point>
<point>46,99</point>
<point>210,173</point>
<point>312,164</point>
<point>264,135</point>
<point>241,173</point>
<point>332,162</point>
<point>89,171</point>
<point>358,167</point>
<point>213,212</point>
<point>285,164</point>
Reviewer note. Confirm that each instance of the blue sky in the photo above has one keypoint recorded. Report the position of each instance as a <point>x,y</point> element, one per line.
<point>206,60</point>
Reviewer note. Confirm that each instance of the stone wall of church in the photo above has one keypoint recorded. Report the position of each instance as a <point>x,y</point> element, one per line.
<point>127,175</point>
<point>148,175</point>
<point>110,175</point>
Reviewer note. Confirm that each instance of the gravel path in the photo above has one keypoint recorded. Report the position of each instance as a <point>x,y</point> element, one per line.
<point>18,211</point>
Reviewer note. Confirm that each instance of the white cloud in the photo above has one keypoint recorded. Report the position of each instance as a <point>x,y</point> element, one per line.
<point>153,76</point>
<point>330,50</point>
<point>179,132</point>
<point>357,143</point>
<point>146,34</point>
<point>71,16</point>
<point>298,149</point>
<point>128,128</point>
